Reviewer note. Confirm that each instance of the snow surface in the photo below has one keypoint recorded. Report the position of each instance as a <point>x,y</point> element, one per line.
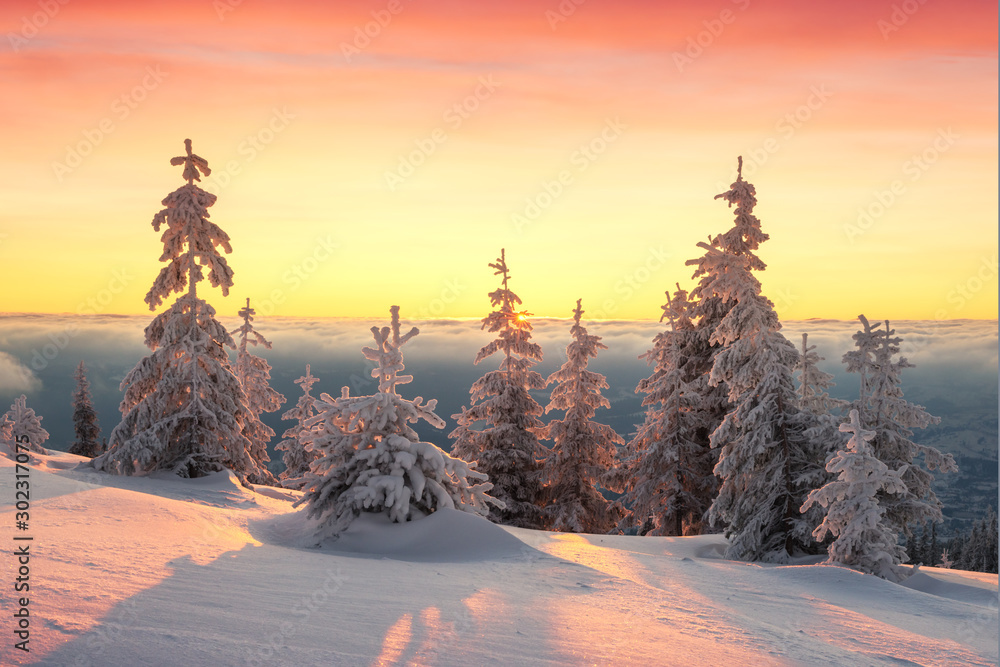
<point>164,571</point>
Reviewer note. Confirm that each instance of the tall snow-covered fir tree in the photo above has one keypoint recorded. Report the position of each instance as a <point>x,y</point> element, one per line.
<point>371,460</point>
<point>183,408</point>
<point>706,311</point>
<point>27,423</point>
<point>85,426</point>
<point>582,451</point>
<point>883,410</point>
<point>507,447</point>
<point>762,442</point>
<point>864,540</point>
<point>666,469</point>
<point>296,459</point>
<point>253,373</point>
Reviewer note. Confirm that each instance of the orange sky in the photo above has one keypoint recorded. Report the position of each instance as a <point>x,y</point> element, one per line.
<point>838,109</point>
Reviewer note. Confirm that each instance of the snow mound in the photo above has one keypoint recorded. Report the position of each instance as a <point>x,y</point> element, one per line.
<point>445,536</point>
<point>972,587</point>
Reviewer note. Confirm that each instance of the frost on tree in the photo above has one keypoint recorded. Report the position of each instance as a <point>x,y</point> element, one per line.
<point>883,410</point>
<point>864,540</point>
<point>763,450</point>
<point>183,409</point>
<point>582,451</point>
<point>825,433</point>
<point>26,428</point>
<point>499,429</point>
<point>814,382</point>
<point>371,460</point>
<point>699,348</point>
<point>85,426</point>
<point>253,373</point>
<point>7,435</point>
<point>296,458</point>
<point>976,550</point>
<point>666,469</point>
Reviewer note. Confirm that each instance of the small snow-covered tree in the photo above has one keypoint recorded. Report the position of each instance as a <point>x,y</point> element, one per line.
<point>583,450</point>
<point>990,537</point>
<point>27,424</point>
<point>824,433</point>
<point>506,448</point>
<point>883,410</point>
<point>864,539</point>
<point>814,382</point>
<point>371,460</point>
<point>297,460</point>
<point>253,373</point>
<point>85,426</point>
<point>763,447</point>
<point>7,435</point>
<point>183,408</point>
<point>666,469</point>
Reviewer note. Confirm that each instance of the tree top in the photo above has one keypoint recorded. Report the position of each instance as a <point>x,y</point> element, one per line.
<point>192,164</point>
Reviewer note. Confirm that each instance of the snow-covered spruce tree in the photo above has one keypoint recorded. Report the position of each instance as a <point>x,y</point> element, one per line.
<point>699,348</point>
<point>27,423</point>
<point>506,448</point>
<point>253,373</point>
<point>864,540</point>
<point>824,434</point>
<point>977,550</point>
<point>88,431</point>
<point>883,410</point>
<point>762,442</point>
<point>583,450</point>
<point>666,469</point>
<point>371,460</point>
<point>297,460</point>
<point>183,408</point>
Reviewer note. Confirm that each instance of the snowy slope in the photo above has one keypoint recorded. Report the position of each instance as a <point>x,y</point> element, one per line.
<point>161,571</point>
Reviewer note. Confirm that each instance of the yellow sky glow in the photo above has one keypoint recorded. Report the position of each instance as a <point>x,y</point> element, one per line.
<point>588,148</point>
